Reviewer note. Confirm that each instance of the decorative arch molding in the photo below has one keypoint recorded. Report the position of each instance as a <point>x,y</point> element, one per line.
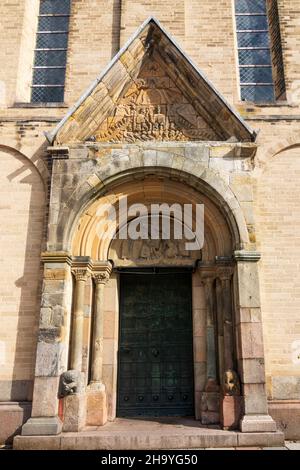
<point>89,240</point>
<point>204,180</point>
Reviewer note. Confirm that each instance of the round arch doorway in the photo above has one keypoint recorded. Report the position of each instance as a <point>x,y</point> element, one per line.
<point>206,362</point>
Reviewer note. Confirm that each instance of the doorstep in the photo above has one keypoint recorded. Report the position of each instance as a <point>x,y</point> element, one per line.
<point>149,434</point>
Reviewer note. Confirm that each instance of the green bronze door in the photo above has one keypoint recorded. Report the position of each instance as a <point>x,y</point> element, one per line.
<point>155,373</point>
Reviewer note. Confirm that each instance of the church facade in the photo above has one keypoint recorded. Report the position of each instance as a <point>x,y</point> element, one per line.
<point>110,110</point>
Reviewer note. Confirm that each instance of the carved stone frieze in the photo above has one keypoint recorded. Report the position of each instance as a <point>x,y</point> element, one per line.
<point>152,252</point>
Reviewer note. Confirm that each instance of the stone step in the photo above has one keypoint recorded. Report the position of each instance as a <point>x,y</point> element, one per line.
<point>129,434</point>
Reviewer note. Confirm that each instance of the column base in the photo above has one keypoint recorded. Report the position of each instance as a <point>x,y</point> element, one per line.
<point>257,423</point>
<point>74,412</point>
<point>44,426</point>
<point>96,405</point>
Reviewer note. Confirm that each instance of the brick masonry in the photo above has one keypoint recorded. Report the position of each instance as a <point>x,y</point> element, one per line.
<point>207,34</point>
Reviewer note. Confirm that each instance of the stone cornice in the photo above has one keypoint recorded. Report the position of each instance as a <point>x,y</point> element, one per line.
<point>56,257</point>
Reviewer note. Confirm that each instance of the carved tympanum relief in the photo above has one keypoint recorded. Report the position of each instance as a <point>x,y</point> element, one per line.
<point>153,108</point>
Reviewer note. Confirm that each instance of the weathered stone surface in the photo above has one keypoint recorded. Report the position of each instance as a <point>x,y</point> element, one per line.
<point>286,387</point>
<point>292,445</point>
<point>269,439</point>
<point>210,417</point>
<point>286,414</point>
<point>12,417</point>
<point>74,411</point>
<point>255,400</point>
<point>252,370</point>
<point>45,426</point>
<point>96,408</point>
<point>257,423</point>
<point>231,408</point>
<point>49,359</point>
<point>45,396</point>
<point>248,287</point>
<point>211,401</point>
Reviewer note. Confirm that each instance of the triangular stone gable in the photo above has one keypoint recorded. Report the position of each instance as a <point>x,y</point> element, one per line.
<point>151,91</point>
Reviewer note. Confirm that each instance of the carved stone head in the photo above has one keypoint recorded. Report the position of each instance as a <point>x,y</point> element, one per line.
<point>71,382</point>
<point>231,383</point>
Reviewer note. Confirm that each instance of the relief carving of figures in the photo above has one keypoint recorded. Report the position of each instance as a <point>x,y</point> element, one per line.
<point>153,109</point>
<point>151,252</point>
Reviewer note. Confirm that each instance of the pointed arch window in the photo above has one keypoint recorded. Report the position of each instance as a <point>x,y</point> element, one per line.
<point>49,69</point>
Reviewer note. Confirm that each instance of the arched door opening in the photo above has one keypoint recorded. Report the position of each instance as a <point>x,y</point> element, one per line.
<point>145,372</point>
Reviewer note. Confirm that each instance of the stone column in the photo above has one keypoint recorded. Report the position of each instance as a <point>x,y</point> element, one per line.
<point>97,405</point>
<point>52,347</point>
<point>81,275</point>
<point>210,397</point>
<point>230,383</point>
<point>250,351</point>
<point>101,276</point>
<point>73,380</point>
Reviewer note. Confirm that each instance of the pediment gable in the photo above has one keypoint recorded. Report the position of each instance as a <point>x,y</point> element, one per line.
<point>151,91</point>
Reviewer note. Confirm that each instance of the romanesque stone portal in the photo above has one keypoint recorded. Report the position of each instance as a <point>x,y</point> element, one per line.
<point>151,128</point>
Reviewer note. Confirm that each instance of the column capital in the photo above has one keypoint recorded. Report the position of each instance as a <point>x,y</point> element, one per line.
<point>207,274</point>
<point>248,256</point>
<point>101,278</point>
<point>81,274</point>
<point>81,267</point>
<point>102,272</point>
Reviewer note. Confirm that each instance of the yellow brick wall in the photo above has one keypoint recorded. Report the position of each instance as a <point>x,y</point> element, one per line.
<point>22,210</point>
<point>279,233</point>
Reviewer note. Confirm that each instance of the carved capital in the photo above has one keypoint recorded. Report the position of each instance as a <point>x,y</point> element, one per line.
<point>101,278</point>
<point>81,274</point>
<point>207,276</point>
<point>101,272</point>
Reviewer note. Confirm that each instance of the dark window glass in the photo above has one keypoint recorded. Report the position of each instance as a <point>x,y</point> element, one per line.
<point>254,57</point>
<point>256,75</point>
<point>51,51</point>
<point>250,6</point>
<point>50,58</point>
<point>52,41</point>
<point>53,23</point>
<point>55,7</point>
<point>258,93</point>
<point>49,76</point>
<point>253,39</point>
<point>254,50</point>
<point>47,94</point>
<point>252,22</point>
